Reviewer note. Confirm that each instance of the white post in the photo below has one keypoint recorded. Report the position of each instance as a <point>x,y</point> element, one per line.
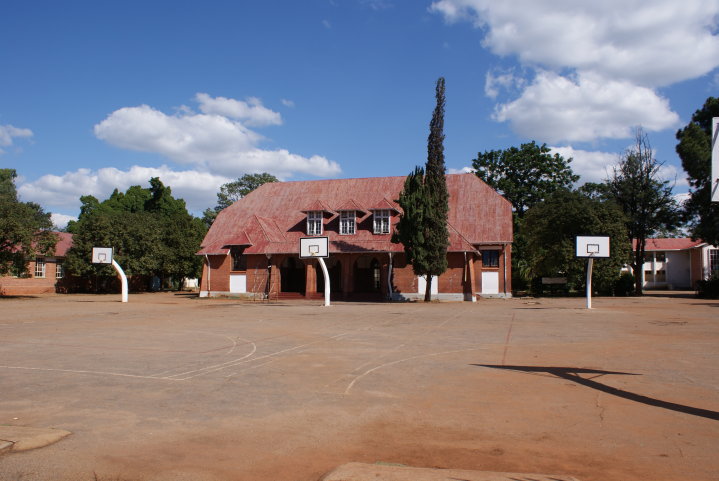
<point>590,263</point>
<point>123,279</point>
<point>327,281</point>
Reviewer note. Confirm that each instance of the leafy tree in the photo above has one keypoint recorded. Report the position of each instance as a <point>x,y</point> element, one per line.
<point>233,191</point>
<point>645,199</point>
<point>551,228</point>
<point>151,232</point>
<point>422,228</point>
<point>525,175</point>
<point>694,148</point>
<point>24,228</point>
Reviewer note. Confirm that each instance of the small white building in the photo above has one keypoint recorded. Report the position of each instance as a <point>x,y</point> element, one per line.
<point>678,263</point>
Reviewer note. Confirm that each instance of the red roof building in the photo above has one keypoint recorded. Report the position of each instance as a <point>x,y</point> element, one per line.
<point>252,249</point>
<point>44,274</point>
<point>678,263</point>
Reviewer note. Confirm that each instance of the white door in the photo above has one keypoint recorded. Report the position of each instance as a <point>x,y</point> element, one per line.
<point>490,282</point>
<point>238,283</point>
<point>422,285</point>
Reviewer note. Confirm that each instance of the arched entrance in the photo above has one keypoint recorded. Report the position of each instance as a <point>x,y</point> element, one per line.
<point>367,275</point>
<point>292,275</point>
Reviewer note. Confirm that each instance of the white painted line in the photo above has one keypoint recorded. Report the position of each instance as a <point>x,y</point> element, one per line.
<point>74,371</point>
<point>229,364</point>
<point>351,384</point>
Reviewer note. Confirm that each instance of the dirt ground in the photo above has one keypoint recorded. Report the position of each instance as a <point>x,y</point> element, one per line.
<point>172,387</point>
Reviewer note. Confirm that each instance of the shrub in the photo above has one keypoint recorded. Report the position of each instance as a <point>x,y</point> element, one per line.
<point>624,286</point>
<point>709,289</point>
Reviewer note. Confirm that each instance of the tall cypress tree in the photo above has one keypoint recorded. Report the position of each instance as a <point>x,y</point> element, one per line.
<point>422,228</point>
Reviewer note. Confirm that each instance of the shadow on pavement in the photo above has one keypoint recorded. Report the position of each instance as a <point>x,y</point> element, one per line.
<point>573,374</point>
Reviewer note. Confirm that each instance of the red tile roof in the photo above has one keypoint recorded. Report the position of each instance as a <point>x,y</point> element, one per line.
<point>670,244</point>
<point>64,242</point>
<point>274,216</point>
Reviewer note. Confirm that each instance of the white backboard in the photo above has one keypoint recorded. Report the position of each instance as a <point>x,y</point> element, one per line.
<point>102,255</point>
<point>715,160</point>
<point>592,246</point>
<point>314,247</point>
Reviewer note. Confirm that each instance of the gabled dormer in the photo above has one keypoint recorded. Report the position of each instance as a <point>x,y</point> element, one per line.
<point>349,212</point>
<point>382,213</point>
<point>315,217</point>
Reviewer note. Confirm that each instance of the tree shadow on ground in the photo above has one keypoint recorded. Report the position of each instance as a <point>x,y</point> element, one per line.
<point>573,374</point>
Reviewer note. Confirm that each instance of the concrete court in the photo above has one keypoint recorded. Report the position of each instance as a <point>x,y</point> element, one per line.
<point>171,387</point>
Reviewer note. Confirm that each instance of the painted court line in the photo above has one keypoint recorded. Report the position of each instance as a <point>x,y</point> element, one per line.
<point>226,365</point>
<point>75,371</point>
<point>370,371</point>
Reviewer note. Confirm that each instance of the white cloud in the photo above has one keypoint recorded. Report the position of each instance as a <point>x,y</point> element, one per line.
<point>288,103</point>
<point>651,43</point>
<point>596,166</point>
<point>62,192</point>
<point>555,108</point>
<point>60,220</point>
<point>9,132</point>
<point>326,24</point>
<point>251,112</point>
<point>597,64</point>
<point>591,166</point>
<point>462,170</point>
<point>506,80</point>
<point>209,141</point>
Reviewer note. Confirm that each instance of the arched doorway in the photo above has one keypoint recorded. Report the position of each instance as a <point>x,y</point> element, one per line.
<point>367,275</point>
<point>292,275</point>
<point>334,269</point>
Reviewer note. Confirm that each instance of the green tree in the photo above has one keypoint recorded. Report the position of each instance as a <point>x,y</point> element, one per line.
<point>646,199</point>
<point>151,232</point>
<point>422,227</point>
<point>694,148</point>
<point>526,175</point>
<point>25,229</point>
<point>551,228</point>
<point>233,191</point>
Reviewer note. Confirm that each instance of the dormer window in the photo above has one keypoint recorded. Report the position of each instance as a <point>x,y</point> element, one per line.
<point>348,222</point>
<point>314,222</point>
<point>381,221</point>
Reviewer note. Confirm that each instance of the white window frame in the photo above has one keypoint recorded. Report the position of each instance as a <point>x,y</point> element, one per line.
<point>40,267</point>
<point>381,221</point>
<point>59,270</point>
<point>348,222</point>
<point>314,222</point>
<point>713,258</point>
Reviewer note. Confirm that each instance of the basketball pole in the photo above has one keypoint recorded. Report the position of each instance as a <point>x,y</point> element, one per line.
<point>327,280</point>
<point>123,279</point>
<point>590,264</point>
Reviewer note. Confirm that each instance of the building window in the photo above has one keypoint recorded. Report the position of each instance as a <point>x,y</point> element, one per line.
<point>490,258</point>
<point>59,270</point>
<point>714,262</point>
<point>381,221</point>
<point>314,222</point>
<point>660,257</point>
<point>39,267</point>
<point>239,259</point>
<point>347,222</point>
<point>661,276</point>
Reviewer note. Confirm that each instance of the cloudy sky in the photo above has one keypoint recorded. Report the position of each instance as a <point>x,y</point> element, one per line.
<point>102,95</point>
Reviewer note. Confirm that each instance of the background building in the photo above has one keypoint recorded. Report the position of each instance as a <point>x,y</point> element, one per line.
<point>252,249</point>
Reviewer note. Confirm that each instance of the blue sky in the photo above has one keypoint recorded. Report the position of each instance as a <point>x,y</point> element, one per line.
<point>99,95</point>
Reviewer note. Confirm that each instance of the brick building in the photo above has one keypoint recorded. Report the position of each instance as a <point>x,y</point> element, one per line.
<point>44,275</point>
<point>252,249</point>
